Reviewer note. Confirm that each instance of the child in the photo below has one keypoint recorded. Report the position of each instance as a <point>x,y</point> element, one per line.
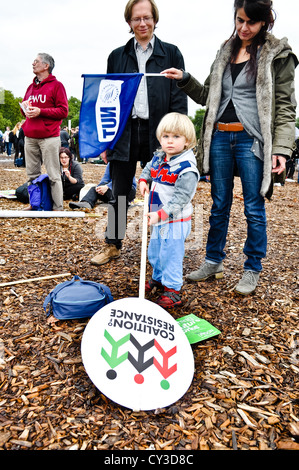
<point>173,176</point>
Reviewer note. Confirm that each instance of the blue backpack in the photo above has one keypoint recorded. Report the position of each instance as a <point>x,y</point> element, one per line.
<point>39,192</point>
<point>77,299</point>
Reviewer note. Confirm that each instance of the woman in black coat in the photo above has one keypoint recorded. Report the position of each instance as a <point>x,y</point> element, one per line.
<point>71,175</point>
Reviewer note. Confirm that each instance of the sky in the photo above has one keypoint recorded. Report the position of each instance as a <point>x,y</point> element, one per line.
<point>80,34</point>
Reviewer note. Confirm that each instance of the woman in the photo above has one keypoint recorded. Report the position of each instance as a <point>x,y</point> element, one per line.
<point>22,143</point>
<point>249,127</point>
<point>71,175</point>
<point>16,131</point>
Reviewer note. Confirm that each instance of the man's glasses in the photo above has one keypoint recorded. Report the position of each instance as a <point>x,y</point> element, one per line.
<point>146,19</point>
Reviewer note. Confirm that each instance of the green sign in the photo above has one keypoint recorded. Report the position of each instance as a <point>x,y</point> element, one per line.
<point>197,329</point>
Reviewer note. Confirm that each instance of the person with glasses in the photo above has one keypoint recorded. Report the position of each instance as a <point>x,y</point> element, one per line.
<point>45,105</point>
<point>249,129</point>
<point>144,53</point>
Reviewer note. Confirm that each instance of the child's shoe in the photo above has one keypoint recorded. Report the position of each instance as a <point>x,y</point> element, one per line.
<point>170,298</point>
<point>151,284</point>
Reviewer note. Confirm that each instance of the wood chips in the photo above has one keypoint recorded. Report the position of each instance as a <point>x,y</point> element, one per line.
<point>244,394</point>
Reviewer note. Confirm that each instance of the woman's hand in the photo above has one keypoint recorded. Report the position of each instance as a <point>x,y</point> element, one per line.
<point>278,164</point>
<point>67,173</point>
<point>173,73</point>
<point>104,156</point>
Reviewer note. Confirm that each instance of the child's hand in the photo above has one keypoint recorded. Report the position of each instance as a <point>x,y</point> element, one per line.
<point>144,188</point>
<point>153,218</point>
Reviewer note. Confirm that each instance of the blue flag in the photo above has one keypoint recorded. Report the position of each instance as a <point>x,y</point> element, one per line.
<point>106,106</point>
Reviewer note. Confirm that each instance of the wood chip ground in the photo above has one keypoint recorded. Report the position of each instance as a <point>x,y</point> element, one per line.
<point>244,394</point>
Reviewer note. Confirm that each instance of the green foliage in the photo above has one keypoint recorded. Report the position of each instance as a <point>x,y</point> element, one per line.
<point>4,123</point>
<point>74,112</point>
<point>198,120</point>
<point>10,112</point>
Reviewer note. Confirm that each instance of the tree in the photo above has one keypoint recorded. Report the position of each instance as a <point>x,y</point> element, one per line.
<point>198,120</point>
<point>10,112</point>
<point>74,112</point>
<point>4,123</point>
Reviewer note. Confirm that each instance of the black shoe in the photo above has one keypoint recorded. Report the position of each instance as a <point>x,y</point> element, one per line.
<point>80,205</point>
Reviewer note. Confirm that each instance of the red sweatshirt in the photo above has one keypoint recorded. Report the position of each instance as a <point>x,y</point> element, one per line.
<point>50,97</point>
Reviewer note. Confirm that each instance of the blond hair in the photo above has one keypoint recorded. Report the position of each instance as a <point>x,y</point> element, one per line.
<point>16,128</point>
<point>177,123</point>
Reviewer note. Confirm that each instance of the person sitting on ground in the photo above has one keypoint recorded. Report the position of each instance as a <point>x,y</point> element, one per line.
<point>102,192</point>
<point>71,175</point>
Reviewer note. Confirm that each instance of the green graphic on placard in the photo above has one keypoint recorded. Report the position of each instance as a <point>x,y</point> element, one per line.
<point>196,329</point>
<point>114,360</point>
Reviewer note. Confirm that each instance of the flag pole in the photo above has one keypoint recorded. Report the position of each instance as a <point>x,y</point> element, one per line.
<point>154,75</point>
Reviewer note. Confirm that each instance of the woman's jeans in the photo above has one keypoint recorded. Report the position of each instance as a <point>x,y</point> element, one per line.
<point>230,151</point>
<point>8,146</point>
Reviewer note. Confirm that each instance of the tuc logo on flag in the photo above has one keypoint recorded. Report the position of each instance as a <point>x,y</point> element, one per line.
<point>137,354</point>
<point>106,106</point>
<point>108,109</point>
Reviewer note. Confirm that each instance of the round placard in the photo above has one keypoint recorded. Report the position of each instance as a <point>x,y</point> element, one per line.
<point>137,355</point>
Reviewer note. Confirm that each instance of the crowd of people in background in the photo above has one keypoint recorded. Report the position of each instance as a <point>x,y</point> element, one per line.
<point>291,165</point>
<point>12,142</point>
<point>12,145</point>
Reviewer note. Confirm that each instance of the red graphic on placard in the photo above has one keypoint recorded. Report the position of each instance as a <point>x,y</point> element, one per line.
<point>164,370</point>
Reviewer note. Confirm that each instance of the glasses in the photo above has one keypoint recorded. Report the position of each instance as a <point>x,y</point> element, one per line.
<point>146,19</point>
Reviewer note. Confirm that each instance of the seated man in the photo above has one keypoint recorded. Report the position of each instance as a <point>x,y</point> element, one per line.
<point>102,192</point>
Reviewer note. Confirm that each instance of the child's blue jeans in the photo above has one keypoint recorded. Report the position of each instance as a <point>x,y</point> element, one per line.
<point>166,252</point>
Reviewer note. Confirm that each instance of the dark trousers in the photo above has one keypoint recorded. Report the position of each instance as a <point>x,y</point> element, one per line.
<point>122,173</point>
<point>72,191</point>
<point>17,150</point>
<point>92,196</point>
<point>290,168</point>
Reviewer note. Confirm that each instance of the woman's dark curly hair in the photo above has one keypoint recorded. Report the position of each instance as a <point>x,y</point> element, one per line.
<point>67,151</point>
<point>256,10</point>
